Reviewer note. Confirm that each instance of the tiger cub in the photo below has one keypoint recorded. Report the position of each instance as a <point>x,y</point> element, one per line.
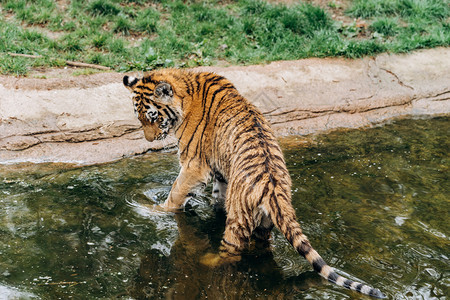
<point>221,134</point>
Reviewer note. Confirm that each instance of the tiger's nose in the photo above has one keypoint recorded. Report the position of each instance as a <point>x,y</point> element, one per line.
<point>149,134</point>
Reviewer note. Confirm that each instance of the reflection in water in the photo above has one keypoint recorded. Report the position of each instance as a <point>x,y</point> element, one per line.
<point>179,275</point>
<point>373,202</point>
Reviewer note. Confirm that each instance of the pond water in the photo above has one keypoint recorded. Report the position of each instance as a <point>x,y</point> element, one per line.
<point>374,203</point>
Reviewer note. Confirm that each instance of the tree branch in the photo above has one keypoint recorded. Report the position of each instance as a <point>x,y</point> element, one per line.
<point>68,62</point>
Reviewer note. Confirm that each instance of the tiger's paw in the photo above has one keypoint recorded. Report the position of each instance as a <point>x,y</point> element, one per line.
<point>160,210</point>
<point>213,260</point>
<point>210,260</point>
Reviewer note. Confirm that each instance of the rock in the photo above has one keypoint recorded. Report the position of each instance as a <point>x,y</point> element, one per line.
<point>90,119</point>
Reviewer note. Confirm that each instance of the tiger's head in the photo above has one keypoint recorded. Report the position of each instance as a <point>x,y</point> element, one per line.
<point>151,101</point>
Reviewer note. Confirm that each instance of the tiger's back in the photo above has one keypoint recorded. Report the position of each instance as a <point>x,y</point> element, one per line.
<point>221,134</point>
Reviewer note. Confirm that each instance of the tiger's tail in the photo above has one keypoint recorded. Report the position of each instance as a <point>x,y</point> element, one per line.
<point>289,226</point>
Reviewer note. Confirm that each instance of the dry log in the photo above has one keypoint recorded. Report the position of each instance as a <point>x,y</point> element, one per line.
<point>85,65</point>
<point>25,55</point>
<point>68,62</point>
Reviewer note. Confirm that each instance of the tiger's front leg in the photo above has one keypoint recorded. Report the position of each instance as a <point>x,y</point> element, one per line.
<point>188,179</point>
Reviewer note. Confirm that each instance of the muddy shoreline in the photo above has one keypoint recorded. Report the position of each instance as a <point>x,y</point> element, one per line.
<point>90,119</point>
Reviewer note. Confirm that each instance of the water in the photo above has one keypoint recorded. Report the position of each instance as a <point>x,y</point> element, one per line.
<point>374,203</point>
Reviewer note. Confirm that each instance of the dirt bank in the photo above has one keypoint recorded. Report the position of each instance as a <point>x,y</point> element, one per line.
<point>90,119</point>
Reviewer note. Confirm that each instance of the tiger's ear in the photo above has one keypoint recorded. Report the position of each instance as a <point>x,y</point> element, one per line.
<point>164,92</point>
<point>129,82</point>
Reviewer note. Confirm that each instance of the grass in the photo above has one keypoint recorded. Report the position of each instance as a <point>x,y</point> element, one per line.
<point>143,35</point>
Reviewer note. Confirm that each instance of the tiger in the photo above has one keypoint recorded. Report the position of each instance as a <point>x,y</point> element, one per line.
<point>222,136</point>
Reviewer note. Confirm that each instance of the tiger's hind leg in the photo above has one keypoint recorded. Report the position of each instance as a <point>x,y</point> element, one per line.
<point>261,236</point>
<point>235,239</point>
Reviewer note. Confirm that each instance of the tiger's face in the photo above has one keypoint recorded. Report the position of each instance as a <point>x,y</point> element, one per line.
<point>149,102</point>
<point>153,123</point>
<point>156,130</point>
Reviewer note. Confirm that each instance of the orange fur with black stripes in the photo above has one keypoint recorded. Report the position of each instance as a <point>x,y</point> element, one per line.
<point>221,135</point>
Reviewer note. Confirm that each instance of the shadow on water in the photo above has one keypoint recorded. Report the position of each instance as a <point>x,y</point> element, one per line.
<point>373,202</point>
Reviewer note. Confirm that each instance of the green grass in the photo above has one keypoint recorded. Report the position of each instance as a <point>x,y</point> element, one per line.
<point>143,35</point>
<point>405,25</point>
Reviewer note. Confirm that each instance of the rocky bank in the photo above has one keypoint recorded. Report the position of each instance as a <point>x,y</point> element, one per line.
<point>90,119</point>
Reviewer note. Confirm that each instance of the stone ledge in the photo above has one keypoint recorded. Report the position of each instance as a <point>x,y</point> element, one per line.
<point>90,119</point>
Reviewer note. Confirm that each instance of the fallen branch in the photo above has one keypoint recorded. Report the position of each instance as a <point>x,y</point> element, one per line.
<point>85,65</point>
<point>25,55</point>
<point>68,62</point>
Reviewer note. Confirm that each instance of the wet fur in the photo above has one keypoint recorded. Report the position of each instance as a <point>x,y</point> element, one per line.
<point>223,136</point>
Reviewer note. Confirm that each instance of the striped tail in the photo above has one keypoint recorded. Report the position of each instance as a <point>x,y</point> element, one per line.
<point>292,231</point>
